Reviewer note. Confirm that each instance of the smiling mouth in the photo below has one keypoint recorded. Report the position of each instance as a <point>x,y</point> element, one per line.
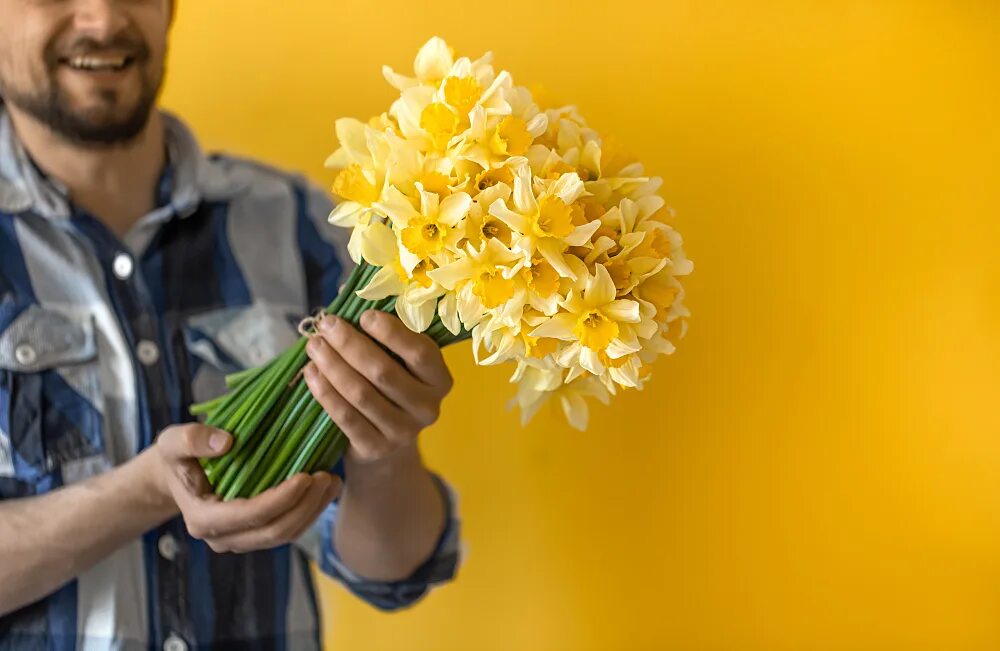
<point>98,63</point>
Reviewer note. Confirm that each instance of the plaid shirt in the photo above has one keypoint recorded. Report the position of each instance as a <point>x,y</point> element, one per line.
<point>106,341</point>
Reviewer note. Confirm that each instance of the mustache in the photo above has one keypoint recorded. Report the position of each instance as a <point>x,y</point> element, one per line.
<point>122,43</point>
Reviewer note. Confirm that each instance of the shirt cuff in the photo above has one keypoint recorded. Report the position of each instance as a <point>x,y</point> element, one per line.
<point>439,568</point>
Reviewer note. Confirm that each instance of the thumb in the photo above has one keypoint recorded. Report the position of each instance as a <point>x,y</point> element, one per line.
<point>194,440</point>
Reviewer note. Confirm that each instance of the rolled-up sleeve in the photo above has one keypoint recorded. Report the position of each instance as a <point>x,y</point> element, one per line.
<point>439,568</point>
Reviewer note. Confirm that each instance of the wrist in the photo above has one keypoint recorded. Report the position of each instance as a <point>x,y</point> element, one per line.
<point>401,461</point>
<point>151,477</point>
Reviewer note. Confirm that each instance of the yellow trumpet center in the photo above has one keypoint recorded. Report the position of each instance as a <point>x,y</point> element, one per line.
<point>542,278</point>
<point>424,237</point>
<point>352,184</point>
<point>439,121</point>
<point>595,331</point>
<point>512,137</point>
<point>492,288</point>
<point>462,92</point>
<point>554,218</point>
<point>496,228</point>
<point>539,347</point>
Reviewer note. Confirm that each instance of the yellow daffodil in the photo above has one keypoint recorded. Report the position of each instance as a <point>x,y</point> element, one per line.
<point>433,61</point>
<point>482,280</point>
<point>595,322</point>
<point>545,223</point>
<point>425,232</point>
<point>534,392</point>
<point>517,226</point>
<point>416,293</point>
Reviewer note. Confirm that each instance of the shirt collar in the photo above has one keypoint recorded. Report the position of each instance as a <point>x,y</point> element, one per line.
<point>194,177</point>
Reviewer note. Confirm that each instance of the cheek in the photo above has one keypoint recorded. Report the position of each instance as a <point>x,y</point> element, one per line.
<point>22,59</point>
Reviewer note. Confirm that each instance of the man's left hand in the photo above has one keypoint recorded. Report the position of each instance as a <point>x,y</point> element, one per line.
<point>380,404</point>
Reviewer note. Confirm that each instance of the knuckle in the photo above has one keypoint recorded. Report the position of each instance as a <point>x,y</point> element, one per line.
<point>426,355</point>
<point>348,419</point>
<point>189,438</point>
<point>363,398</point>
<point>382,373</point>
<point>218,547</point>
<point>273,534</point>
<point>428,414</point>
<point>196,530</point>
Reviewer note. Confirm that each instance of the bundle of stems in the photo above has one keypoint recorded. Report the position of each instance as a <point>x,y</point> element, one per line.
<point>279,429</point>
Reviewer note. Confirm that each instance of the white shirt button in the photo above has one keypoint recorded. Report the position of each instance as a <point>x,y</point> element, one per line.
<point>174,643</point>
<point>123,266</point>
<point>167,545</point>
<point>148,352</point>
<point>25,354</point>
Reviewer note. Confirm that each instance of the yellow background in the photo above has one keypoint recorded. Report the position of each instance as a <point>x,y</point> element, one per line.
<point>817,467</point>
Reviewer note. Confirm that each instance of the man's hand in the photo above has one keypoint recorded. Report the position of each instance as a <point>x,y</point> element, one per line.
<point>380,404</point>
<point>275,517</point>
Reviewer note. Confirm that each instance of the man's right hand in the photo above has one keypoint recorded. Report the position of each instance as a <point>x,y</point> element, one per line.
<point>275,517</point>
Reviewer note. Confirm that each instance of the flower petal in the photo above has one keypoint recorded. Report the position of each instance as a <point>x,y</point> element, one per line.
<point>558,327</point>
<point>623,310</point>
<point>454,208</point>
<point>600,288</point>
<point>385,283</point>
<point>415,317</point>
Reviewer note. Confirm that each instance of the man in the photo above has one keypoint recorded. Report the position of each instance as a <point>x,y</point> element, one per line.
<point>134,273</point>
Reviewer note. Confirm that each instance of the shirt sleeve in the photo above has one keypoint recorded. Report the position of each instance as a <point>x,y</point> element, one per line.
<point>326,263</point>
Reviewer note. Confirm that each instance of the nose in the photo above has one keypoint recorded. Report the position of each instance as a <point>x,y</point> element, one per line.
<point>101,19</point>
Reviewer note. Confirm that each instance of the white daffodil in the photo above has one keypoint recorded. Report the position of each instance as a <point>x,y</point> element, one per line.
<point>546,223</point>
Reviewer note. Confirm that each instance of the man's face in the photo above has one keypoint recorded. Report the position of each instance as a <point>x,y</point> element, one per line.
<point>89,69</point>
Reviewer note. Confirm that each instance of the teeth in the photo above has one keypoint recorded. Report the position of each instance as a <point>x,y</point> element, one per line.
<point>98,63</point>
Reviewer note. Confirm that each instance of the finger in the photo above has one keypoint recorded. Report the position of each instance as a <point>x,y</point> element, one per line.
<point>192,441</point>
<point>282,529</point>
<point>422,356</point>
<point>209,517</point>
<point>191,477</point>
<point>393,379</point>
<point>364,437</point>
<point>389,419</point>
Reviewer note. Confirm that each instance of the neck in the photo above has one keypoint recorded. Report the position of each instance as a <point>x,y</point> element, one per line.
<point>116,184</point>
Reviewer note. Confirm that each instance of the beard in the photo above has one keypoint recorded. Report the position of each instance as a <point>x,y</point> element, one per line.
<point>109,121</point>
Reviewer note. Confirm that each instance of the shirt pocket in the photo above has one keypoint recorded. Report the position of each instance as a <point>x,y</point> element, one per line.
<point>51,423</point>
<point>227,340</point>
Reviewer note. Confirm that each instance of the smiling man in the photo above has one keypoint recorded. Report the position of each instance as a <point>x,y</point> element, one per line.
<point>135,272</point>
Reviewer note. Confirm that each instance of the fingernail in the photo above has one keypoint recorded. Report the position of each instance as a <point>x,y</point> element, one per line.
<point>218,440</point>
<point>328,322</point>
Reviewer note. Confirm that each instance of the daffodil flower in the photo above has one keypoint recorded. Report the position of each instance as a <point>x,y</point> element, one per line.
<point>481,280</point>
<point>595,322</point>
<point>537,387</point>
<point>361,177</point>
<point>546,223</point>
<point>433,61</point>
<point>426,232</point>
<point>416,294</point>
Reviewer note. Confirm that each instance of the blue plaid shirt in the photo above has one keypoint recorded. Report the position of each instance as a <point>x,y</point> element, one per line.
<point>105,341</point>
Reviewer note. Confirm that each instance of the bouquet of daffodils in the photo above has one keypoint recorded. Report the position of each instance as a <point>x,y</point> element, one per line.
<point>477,214</point>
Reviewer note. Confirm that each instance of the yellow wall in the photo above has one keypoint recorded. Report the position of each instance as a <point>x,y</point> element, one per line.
<point>817,467</point>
